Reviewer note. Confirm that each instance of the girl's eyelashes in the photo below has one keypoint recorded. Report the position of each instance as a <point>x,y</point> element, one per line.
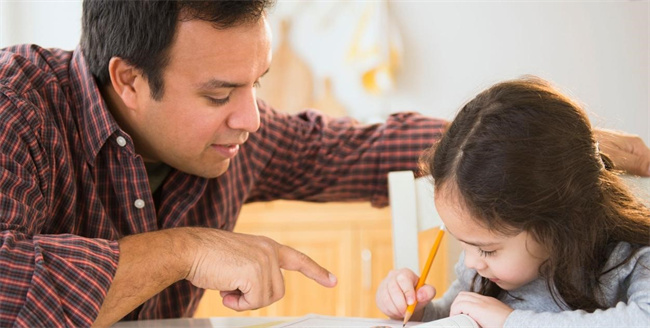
<point>218,101</point>
<point>486,253</point>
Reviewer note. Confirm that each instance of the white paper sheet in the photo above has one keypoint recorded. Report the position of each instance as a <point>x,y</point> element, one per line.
<point>322,321</point>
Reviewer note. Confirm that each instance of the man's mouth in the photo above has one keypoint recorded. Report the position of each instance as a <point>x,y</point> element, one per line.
<point>226,150</point>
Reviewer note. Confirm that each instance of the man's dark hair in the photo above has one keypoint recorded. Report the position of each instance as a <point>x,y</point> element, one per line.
<point>141,31</point>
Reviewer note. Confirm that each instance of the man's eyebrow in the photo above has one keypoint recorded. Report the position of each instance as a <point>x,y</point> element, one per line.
<point>220,84</point>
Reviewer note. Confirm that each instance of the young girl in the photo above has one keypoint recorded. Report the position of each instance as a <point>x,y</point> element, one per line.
<point>550,235</point>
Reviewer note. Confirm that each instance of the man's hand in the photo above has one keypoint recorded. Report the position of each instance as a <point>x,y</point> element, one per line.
<point>628,152</point>
<point>246,268</point>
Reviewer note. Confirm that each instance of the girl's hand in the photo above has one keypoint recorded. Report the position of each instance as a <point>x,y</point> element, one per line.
<point>397,291</point>
<point>486,311</point>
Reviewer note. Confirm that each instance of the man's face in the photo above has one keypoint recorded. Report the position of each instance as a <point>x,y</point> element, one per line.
<point>208,107</point>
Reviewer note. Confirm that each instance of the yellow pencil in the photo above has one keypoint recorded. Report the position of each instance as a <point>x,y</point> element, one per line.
<point>425,273</point>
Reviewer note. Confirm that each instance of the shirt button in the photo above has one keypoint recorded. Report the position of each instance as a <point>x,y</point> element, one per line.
<point>121,141</point>
<point>139,203</point>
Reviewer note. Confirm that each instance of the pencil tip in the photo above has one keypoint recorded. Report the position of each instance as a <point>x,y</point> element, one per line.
<point>407,316</point>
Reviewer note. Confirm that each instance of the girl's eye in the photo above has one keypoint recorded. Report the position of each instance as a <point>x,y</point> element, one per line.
<point>218,102</point>
<point>486,253</point>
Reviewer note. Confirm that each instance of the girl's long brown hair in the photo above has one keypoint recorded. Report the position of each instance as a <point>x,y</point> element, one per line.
<point>524,158</point>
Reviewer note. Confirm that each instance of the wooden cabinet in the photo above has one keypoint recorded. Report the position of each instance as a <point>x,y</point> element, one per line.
<point>352,240</point>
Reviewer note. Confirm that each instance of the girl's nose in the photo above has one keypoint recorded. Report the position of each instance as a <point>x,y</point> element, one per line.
<point>474,261</point>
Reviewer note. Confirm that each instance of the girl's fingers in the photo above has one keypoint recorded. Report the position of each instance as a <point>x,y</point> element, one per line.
<point>398,299</point>
<point>425,294</point>
<point>396,292</point>
<point>466,301</point>
<point>460,303</point>
<point>407,287</point>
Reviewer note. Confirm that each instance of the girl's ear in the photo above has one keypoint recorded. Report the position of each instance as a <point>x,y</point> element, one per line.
<point>123,78</point>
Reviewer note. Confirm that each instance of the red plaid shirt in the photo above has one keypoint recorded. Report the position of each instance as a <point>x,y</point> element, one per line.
<point>69,185</point>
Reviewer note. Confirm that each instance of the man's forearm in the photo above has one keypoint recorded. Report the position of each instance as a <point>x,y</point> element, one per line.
<point>148,263</point>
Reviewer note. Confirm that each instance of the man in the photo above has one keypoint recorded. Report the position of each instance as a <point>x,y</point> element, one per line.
<point>124,165</point>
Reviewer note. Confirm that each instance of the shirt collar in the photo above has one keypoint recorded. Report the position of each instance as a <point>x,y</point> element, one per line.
<point>96,122</point>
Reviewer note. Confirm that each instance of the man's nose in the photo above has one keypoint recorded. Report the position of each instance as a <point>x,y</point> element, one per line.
<point>245,115</point>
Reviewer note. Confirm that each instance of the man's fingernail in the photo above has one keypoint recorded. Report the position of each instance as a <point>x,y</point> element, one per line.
<point>332,278</point>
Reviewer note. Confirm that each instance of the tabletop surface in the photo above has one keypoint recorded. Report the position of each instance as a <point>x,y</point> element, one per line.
<point>248,322</point>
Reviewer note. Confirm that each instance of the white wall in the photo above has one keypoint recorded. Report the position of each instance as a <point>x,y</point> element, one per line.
<point>597,51</point>
<point>48,23</point>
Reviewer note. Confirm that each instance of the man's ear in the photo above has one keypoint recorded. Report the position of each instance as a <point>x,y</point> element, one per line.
<point>123,78</point>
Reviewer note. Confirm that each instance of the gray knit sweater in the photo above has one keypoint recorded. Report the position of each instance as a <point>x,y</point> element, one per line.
<point>626,291</point>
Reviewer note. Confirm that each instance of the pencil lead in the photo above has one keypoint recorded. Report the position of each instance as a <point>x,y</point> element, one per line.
<point>407,316</point>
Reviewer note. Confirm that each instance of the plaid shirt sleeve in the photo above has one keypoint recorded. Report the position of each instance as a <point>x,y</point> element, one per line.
<point>45,279</point>
<point>316,158</point>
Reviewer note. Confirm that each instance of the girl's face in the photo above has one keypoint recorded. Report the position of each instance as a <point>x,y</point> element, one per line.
<point>508,261</point>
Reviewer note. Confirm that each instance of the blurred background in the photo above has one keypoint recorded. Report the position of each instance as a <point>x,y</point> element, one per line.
<point>368,59</point>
